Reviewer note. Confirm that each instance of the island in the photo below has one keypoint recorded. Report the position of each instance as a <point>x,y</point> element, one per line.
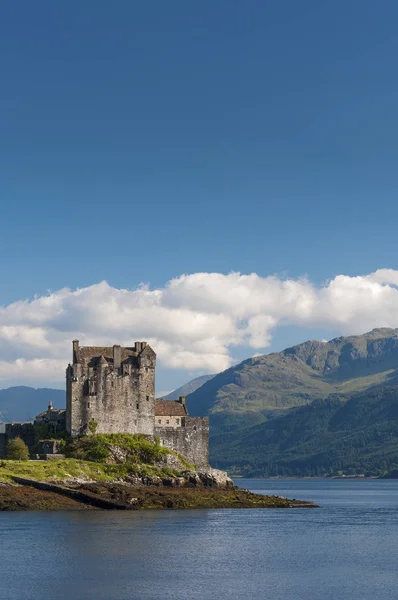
<point>121,472</point>
<point>116,446</point>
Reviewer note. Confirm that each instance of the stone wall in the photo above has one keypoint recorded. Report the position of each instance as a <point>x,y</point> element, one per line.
<point>13,430</point>
<point>191,440</point>
<point>168,421</point>
<point>118,394</point>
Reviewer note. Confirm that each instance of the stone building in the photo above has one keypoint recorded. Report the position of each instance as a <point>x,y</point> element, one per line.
<point>114,388</point>
<point>177,430</point>
<point>54,418</point>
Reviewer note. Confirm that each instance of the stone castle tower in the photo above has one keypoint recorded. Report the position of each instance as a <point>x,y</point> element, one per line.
<point>113,386</point>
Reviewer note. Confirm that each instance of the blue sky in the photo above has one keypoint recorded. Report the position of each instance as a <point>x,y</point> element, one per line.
<point>143,141</point>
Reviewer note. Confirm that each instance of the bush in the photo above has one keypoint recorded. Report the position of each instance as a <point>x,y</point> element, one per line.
<point>17,449</point>
<point>96,447</point>
<point>92,426</point>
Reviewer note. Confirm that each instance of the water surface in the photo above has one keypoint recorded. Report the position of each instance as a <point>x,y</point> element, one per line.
<point>346,549</point>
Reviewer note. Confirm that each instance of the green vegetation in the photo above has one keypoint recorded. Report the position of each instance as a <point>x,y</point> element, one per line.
<point>17,450</point>
<point>261,387</point>
<point>328,437</point>
<point>93,426</point>
<point>129,448</point>
<point>99,457</point>
<point>261,418</point>
<point>64,469</point>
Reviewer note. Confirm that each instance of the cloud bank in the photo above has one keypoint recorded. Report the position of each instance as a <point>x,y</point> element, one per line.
<point>193,322</point>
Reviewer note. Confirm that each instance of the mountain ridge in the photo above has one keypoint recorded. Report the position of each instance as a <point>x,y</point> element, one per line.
<point>23,403</point>
<point>300,374</point>
<point>189,387</point>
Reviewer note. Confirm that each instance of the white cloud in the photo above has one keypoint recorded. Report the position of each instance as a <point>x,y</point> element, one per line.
<point>193,323</point>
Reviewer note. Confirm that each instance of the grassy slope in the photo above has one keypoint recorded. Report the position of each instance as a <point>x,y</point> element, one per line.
<point>59,470</point>
<point>89,458</point>
<point>260,387</point>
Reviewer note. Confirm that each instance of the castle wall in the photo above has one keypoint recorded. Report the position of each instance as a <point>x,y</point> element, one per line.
<point>119,396</point>
<point>191,440</point>
<point>9,431</point>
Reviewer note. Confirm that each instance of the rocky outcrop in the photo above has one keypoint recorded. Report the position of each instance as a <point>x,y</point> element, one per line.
<point>211,479</point>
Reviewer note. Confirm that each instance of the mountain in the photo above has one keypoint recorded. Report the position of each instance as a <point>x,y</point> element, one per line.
<point>24,403</point>
<point>332,436</point>
<point>264,386</point>
<point>188,388</point>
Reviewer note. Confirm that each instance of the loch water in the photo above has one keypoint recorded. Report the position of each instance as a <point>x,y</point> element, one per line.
<point>346,549</point>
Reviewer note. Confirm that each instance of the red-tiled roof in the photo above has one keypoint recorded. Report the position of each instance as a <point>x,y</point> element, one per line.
<point>169,408</point>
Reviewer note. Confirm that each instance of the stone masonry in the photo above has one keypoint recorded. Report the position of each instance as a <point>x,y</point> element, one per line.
<point>113,386</point>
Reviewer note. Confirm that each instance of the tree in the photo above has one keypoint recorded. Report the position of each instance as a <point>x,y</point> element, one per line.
<point>17,449</point>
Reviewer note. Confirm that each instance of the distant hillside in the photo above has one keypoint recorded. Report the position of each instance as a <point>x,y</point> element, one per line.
<point>327,437</point>
<point>261,387</point>
<point>188,388</point>
<point>24,403</point>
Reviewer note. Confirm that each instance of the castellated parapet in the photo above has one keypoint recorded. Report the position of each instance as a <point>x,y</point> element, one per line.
<point>113,386</point>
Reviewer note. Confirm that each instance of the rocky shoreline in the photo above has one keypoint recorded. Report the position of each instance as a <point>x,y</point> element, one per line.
<point>195,490</point>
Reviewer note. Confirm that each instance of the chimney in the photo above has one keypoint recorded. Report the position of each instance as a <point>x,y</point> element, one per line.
<point>182,401</point>
<point>138,347</point>
<point>117,357</point>
<point>75,351</point>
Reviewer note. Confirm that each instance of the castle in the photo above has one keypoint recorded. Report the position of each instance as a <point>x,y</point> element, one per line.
<point>113,390</point>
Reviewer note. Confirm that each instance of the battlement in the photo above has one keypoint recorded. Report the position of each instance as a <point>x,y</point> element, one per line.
<point>113,355</point>
<point>112,386</point>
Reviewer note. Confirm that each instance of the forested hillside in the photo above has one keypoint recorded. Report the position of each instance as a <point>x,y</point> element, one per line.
<point>330,436</point>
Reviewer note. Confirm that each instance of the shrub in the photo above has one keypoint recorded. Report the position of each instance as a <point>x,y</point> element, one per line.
<point>92,426</point>
<point>17,449</point>
<point>96,447</point>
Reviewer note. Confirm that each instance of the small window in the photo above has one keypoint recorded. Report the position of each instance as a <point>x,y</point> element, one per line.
<point>167,422</point>
<point>88,404</point>
<point>138,406</point>
<point>160,421</point>
<point>147,398</point>
<point>194,427</point>
<point>178,421</point>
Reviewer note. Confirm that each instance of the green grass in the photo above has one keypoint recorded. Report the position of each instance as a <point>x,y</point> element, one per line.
<point>54,470</point>
<point>70,468</point>
<point>90,458</point>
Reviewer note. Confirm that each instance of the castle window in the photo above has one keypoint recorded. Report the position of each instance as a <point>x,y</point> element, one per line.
<point>88,404</point>
<point>160,421</point>
<point>147,397</point>
<point>177,421</point>
<point>194,427</point>
<point>138,406</point>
